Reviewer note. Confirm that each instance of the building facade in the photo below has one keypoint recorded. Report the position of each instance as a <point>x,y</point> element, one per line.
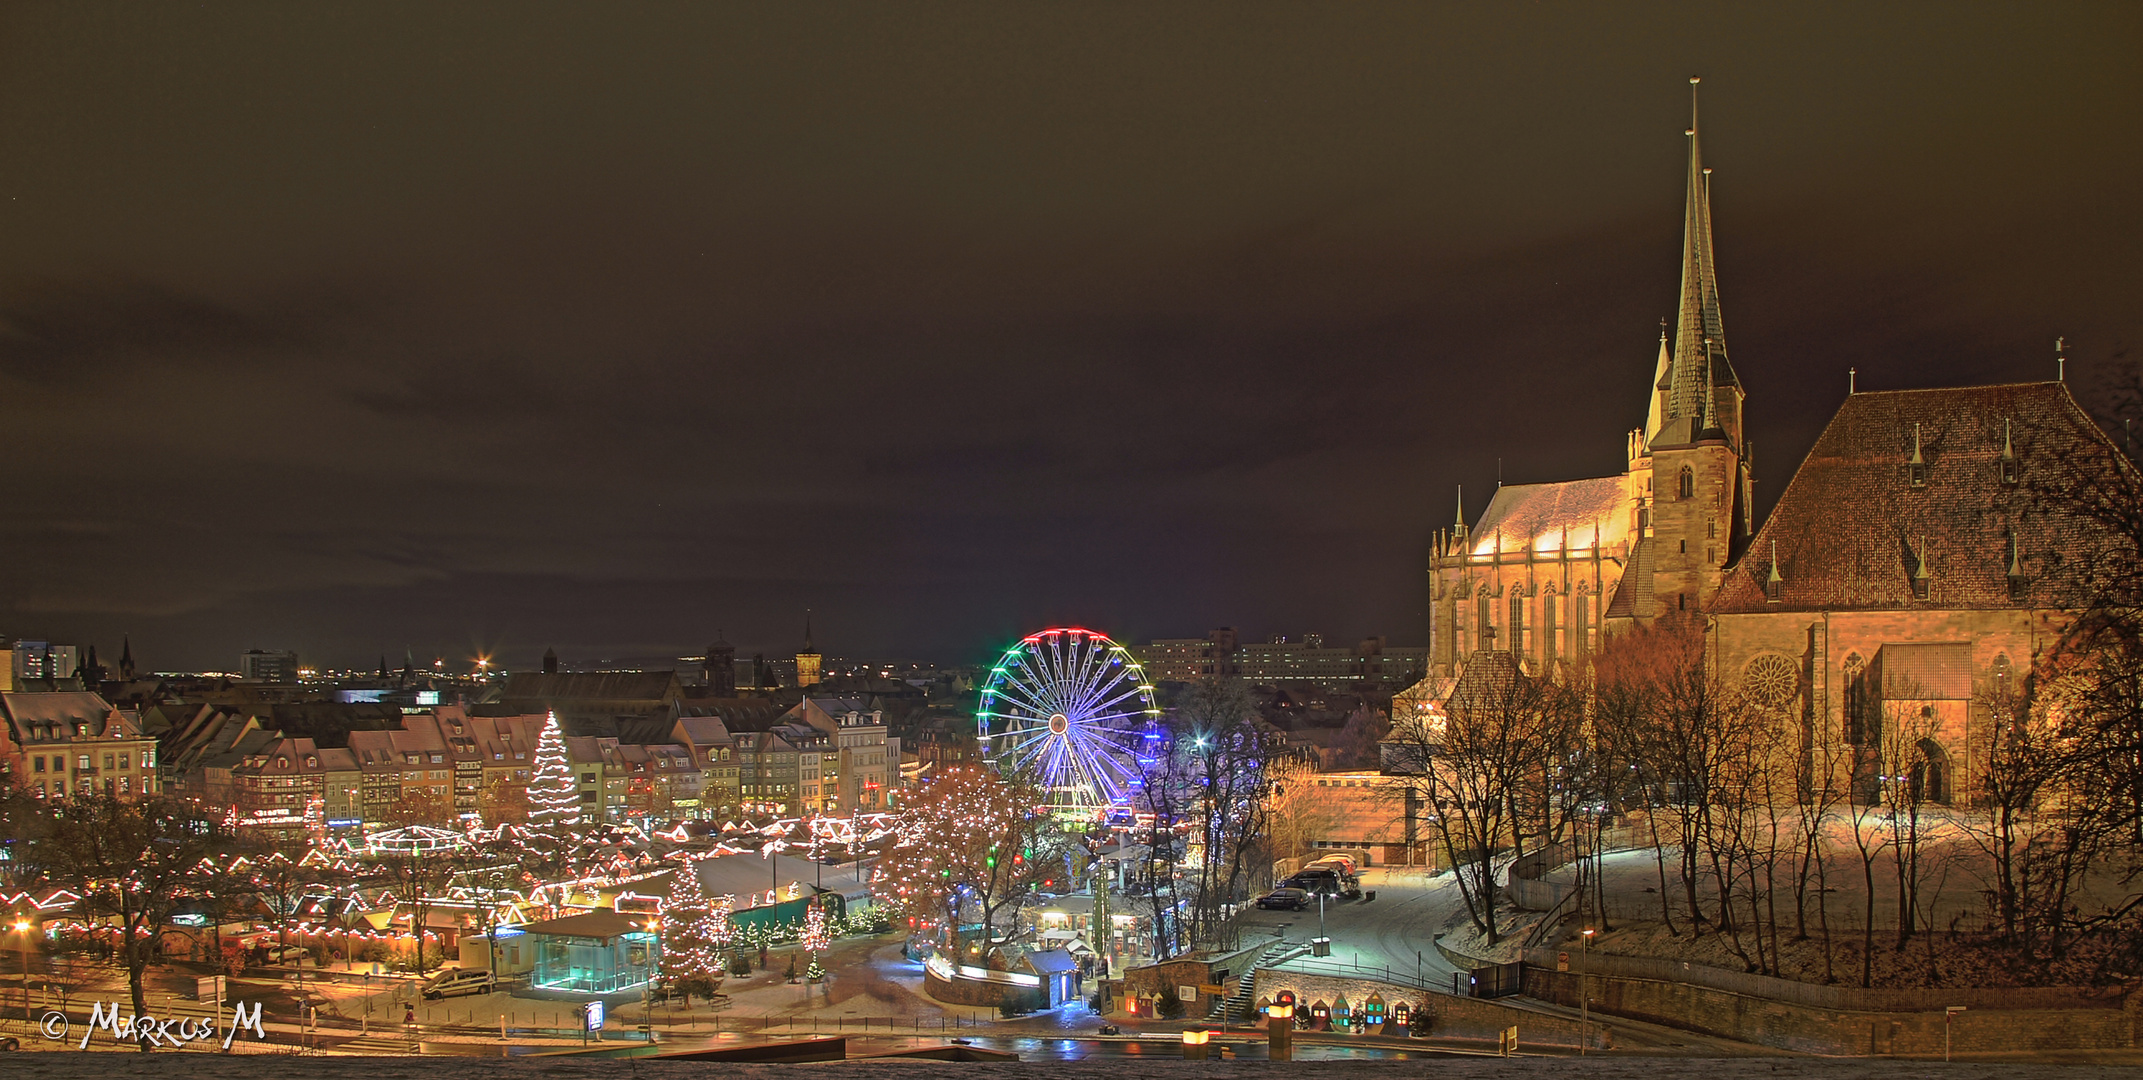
<point>61,744</point>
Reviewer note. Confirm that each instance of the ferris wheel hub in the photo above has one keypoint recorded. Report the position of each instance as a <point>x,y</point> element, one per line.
<point>1058,723</point>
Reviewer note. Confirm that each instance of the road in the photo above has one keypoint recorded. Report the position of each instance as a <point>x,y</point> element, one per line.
<point>1395,932</point>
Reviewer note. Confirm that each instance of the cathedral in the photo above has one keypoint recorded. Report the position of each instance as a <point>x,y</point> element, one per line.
<point>1904,579</point>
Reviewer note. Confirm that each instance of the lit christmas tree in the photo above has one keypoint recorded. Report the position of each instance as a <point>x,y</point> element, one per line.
<point>961,852</point>
<point>815,938</point>
<point>693,935</point>
<point>553,794</point>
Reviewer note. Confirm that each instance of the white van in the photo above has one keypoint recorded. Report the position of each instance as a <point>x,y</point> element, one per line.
<point>286,954</point>
<point>457,982</point>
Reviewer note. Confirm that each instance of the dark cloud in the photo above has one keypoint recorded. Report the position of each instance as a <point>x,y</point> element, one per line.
<point>358,328</point>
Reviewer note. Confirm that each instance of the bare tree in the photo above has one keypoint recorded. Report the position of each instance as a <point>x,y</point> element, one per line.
<point>1483,765</point>
<point>132,861</point>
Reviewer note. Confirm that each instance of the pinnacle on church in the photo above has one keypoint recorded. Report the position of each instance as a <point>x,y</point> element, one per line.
<point>1699,357</point>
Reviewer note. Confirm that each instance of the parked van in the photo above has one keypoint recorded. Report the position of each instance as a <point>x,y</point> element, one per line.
<point>457,982</point>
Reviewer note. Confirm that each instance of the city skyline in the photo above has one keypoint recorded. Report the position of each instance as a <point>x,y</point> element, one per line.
<point>1072,331</point>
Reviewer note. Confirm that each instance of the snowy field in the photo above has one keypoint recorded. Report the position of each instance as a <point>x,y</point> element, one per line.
<point>110,1066</point>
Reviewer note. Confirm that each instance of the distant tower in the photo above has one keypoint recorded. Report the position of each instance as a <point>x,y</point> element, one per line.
<point>126,659</point>
<point>550,661</point>
<point>721,668</point>
<point>807,661</point>
<point>762,674</point>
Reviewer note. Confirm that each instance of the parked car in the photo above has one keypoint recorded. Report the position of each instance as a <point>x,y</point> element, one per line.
<point>456,982</point>
<point>1323,881</point>
<point>1285,898</point>
<point>1343,864</point>
<point>9,1042</point>
<point>285,954</point>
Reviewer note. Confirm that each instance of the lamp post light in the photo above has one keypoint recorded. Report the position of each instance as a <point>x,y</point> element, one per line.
<point>1194,1043</point>
<point>1280,1031</point>
<point>22,928</point>
<point>1584,994</point>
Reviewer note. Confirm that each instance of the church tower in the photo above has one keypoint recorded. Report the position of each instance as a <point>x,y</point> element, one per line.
<point>1693,513</point>
<point>1550,569</point>
<point>719,670</point>
<point>807,661</point>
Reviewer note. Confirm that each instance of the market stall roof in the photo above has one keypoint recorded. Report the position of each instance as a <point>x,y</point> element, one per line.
<point>594,924</point>
<point>746,874</point>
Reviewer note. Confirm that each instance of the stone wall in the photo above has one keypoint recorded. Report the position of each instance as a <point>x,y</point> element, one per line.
<point>957,991</point>
<point>1451,1017</point>
<point>1993,1021</point>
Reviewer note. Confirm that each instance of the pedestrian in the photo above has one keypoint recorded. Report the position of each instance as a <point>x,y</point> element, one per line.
<point>409,1014</point>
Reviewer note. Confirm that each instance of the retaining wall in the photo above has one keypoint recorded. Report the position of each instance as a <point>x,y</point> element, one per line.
<point>1839,1020</point>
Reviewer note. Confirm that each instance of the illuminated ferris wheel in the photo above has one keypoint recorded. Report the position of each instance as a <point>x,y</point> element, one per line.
<point>1070,709</point>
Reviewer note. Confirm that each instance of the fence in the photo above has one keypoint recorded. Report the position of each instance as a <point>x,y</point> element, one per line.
<point>1843,998</point>
<point>1528,890</point>
<point>1332,969</point>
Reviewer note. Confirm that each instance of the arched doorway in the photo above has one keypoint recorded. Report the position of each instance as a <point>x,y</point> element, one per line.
<point>1931,774</point>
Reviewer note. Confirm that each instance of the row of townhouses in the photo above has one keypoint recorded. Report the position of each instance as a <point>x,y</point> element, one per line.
<point>828,756</point>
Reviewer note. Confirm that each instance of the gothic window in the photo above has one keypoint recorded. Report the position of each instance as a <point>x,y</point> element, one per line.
<point>1685,485</point>
<point>1711,530</point>
<point>1547,628</point>
<point>1771,680</point>
<point>1517,623</point>
<point>1580,614</point>
<point>1484,621</point>
<point>2010,474</point>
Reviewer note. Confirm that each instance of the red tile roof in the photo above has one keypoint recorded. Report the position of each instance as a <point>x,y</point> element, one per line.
<point>1851,526</point>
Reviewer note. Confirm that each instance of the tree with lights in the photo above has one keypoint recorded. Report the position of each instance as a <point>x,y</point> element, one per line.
<point>553,794</point>
<point>970,847</point>
<point>694,933</point>
<point>815,937</point>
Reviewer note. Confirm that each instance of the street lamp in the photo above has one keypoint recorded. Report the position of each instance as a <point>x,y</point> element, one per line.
<point>22,927</point>
<point>1584,994</point>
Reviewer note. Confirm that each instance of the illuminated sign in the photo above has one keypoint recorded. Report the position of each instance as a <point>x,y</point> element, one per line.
<point>595,1015</point>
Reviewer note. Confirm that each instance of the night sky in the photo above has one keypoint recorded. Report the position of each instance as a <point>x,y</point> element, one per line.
<point>361,327</point>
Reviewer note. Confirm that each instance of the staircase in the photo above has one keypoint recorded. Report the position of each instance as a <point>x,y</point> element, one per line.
<point>1240,1005</point>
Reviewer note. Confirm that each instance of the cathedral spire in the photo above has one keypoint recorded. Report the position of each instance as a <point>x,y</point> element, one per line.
<point>1699,337</point>
<point>1662,386</point>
